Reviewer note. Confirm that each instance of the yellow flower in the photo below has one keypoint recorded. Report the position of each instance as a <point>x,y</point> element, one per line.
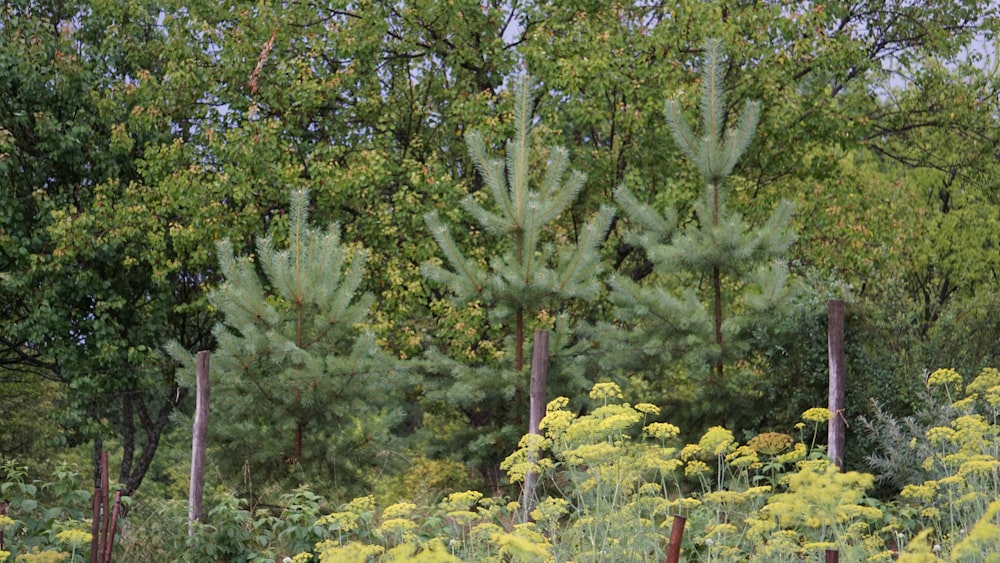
<point>683,504</point>
<point>743,457</point>
<point>696,467</point>
<point>689,451</point>
<point>817,415</point>
<point>557,404</point>
<point>944,377</point>
<point>550,509</point>
<point>555,422</point>
<point>797,453</point>
<point>74,537</point>
<point>484,530</point>
<point>725,498</point>
<point>930,513</point>
<point>362,504</point>
<point>920,493</point>
<point>605,391</point>
<point>770,443</point>
<point>616,423</point>
<point>398,510</point>
<point>519,547</point>
<point>593,453</point>
<point>940,435</point>
<point>716,440</point>
<point>661,430</point>
<point>965,404</point>
<point>987,380</point>
<point>723,530</point>
<point>396,525</point>
<point>982,464</point>
<point>339,521</point>
<point>647,408</point>
<point>460,501</point>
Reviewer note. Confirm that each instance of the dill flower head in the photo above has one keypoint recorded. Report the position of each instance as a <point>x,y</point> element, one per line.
<point>74,537</point>
<point>817,415</point>
<point>5,521</point>
<point>550,509</point>
<point>743,456</point>
<point>944,377</point>
<point>647,408</point>
<point>985,381</point>
<point>362,504</point>
<point>605,391</point>
<point>696,467</point>
<point>556,404</point>
<point>661,430</point>
<point>689,451</point>
<point>399,526</point>
<point>342,521</point>
<point>770,443</point>
<point>920,493</point>
<point>716,440</point>
<point>398,510</point>
<point>460,501</point>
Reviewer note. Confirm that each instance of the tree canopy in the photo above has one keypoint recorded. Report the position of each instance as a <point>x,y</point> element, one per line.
<point>135,134</point>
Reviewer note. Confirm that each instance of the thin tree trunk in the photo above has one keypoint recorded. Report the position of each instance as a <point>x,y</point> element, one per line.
<point>198,440</point>
<point>717,288</point>
<point>519,341</point>
<point>836,427</point>
<point>539,376</point>
<point>717,283</point>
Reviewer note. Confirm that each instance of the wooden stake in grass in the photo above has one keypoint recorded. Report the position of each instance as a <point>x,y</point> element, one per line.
<point>200,432</point>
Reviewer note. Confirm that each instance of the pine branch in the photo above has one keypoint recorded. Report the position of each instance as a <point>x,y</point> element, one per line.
<point>645,215</point>
<point>469,280</point>
<point>492,171</point>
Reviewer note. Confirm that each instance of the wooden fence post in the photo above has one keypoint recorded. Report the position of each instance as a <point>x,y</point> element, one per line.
<point>832,556</point>
<point>676,536</point>
<point>200,433</point>
<point>104,523</point>
<point>539,375</point>
<point>837,427</point>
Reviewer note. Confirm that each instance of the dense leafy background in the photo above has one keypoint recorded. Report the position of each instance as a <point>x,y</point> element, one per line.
<point>135,134</point>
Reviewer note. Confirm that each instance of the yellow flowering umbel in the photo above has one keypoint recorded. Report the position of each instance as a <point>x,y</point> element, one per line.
<point>717,441</point>
<point>770,443</point>
<point>944,377</point>
<point>605,392</point>
<point>817,415</point>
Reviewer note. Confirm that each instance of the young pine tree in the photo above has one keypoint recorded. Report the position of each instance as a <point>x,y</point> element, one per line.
<point>714,275</point>
<point>541,266</point>
<point>300,390</point>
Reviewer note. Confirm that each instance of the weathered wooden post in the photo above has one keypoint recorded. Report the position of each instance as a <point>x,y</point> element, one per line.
<point>200,432</point>
<point>536,412</point>
<point>832,556</point>
<point>676,536</point>
<point>837,427</point>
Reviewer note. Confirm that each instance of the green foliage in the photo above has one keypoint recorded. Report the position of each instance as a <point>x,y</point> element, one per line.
<point>539,266</point>
<point>133,133</point>
<point>713,274</point>
<point>308,395</point>
<point>612,481</point>
<point>537,277</point>
<point>45,520</point>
